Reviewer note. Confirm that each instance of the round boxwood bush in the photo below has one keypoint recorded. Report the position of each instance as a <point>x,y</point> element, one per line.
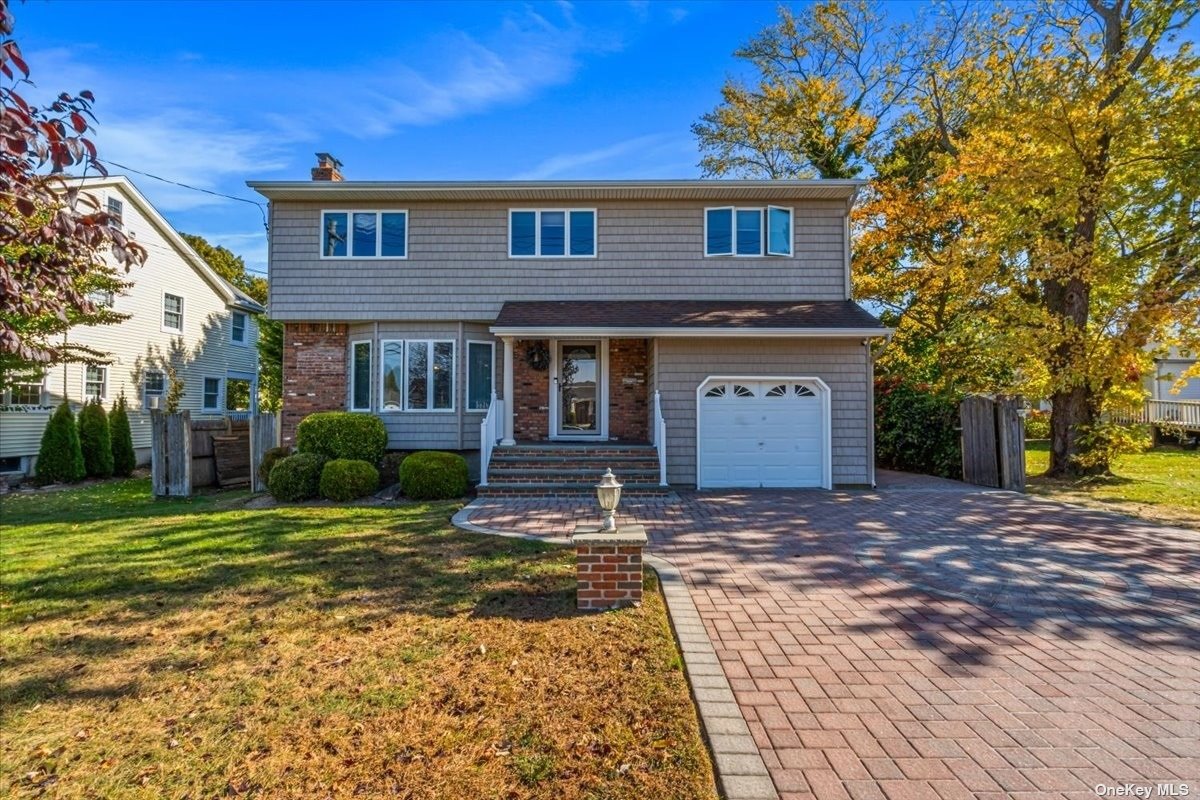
<point>269,460</point>
<point>296,477</point>
<point>434,475</point>
<point>346,479</point>
<point>342,434</point>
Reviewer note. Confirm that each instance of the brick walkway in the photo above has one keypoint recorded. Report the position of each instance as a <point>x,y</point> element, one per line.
<point>927,640</point>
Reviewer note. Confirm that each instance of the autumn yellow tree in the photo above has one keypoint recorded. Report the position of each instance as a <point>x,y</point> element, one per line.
<point>1032,220</point>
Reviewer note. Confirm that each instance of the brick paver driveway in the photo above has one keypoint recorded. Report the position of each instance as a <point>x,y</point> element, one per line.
<point>931,640</point>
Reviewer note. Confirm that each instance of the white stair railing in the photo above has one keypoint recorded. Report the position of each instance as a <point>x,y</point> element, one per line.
<point>488,436</point>
<point>660,439</point>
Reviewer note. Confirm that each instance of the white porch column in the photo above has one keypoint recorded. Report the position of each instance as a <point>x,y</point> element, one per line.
<point>508,392</point>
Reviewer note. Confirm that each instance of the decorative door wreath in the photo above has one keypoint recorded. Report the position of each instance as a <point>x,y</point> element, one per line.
<point>537,356</point>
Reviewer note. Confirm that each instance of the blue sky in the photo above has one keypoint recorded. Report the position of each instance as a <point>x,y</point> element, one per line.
<point>212,94</point>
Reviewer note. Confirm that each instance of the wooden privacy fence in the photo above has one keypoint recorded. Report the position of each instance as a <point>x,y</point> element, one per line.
<point>993,441</point>
<point>187,454</point>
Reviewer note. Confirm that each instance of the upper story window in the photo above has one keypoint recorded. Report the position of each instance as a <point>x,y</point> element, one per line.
<point>364,234</point>
<point>95,382</point>
<point>172,319</point>
<point>552,233</point>
<point>116,211</point>
<point>101,298</point>
<point>238,328</point>
<point>748,231</point>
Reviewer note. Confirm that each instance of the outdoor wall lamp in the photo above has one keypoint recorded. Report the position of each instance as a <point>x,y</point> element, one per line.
<point>608,493</point>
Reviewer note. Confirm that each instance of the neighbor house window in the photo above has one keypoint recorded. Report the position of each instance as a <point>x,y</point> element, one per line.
<point>364,234</point>
<point>212,394</point>
<point>748,231</point>
<point>479,375</point>
<point>116,211</point>
<point>172,312</point>
<point>238,333</point>
<point>360,377</point>
<point>95,382</point>
<point>417,375</point>
<point>552,233</point>
<point>101,298</point>
<point>154,388</point>
<point>28,392</point>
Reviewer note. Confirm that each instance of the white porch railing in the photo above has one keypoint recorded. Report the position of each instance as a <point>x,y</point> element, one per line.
<point>1178,413</point>
<point>660,439</point>
<point>489,434</point>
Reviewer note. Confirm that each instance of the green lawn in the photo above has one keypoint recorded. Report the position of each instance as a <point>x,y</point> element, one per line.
<point>200,649</point>
<point>1160,484</point>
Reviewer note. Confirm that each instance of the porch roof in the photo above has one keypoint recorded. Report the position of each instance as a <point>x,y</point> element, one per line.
<point>837,318</point>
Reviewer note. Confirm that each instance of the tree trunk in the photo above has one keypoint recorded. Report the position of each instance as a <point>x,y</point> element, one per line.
<point>1074,410</point>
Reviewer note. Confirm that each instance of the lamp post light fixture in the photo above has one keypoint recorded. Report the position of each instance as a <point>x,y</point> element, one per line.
<point>608,493</point>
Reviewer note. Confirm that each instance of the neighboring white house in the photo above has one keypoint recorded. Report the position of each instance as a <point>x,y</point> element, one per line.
<point>180,310</point>
<point>1168,369</point>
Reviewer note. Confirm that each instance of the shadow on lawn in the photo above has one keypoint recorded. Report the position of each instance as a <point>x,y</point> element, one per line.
<point>964,573</point>
<point>126,574</point>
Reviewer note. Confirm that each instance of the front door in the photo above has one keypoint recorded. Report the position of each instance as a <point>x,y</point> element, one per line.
<point>577,387</point>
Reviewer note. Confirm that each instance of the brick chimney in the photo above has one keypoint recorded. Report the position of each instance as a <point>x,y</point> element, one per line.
<point>327,168</point>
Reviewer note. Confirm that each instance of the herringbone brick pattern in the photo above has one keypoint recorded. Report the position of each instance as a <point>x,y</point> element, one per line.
<point>935,641</point>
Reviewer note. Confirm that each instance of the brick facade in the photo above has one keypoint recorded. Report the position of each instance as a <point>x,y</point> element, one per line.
<point>314,372</point>
<point>531,393</point>
<point>607,575</point>
<point>628,404</point>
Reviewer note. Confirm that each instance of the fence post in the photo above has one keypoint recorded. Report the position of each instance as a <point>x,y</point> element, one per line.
<point>263,435</point>
<point>179,454</point>
<point>1010,430</point>
<point>978,418</point>
<point>158,453</point>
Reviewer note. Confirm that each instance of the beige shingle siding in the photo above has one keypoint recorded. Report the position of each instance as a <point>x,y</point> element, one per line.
<point>458,265</point>
<point>682,364</point>
<point>429,430</point>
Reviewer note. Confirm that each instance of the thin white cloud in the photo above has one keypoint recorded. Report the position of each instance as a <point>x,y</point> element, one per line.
<point>657,155</point>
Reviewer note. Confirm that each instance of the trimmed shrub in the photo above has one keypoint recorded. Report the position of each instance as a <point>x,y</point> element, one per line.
<point>119,433</point>
<point>296,477</point>
<point>916,429</point>
<point>346,479</point>
<point>342,434</point>
<point>60,459</point>
<point>434,475</point>
<point>389,468</point>
<point>95,441</point>
<point>269,460</point>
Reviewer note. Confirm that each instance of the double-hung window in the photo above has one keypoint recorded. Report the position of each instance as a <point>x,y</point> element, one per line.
<point>172,318</point>
<point>95,382</point>
<point>212,394</point>
<point>360,376</point>
<point>237,331</point>
<point>480,357</point>
<point>748,231</point>
<point>364,234</point>
<point>417,375</point>
<point>27,392</point>
<point>116,211</point>
<point>552,233</point>
<point>154,388</point>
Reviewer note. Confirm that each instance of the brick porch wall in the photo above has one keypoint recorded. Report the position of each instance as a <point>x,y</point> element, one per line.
<point>314,372</point>
<point>531,393</point>
<point>628,403</point>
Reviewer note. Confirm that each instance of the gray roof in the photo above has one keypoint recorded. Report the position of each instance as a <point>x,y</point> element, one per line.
<point>696,314</point>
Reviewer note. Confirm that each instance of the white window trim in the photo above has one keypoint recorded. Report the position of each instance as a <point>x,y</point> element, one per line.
<point>764,232</point>
<point>245,342</point>
<point>162,397</point>
<point>220,406</point>
<point>467,396</point>
<point>537,232</point>
<point>162,313</point>
<point>350,212</point>
<point>405,409</point>
<point>8,393</point>
<point>370,361</point>
<point>87,396</point>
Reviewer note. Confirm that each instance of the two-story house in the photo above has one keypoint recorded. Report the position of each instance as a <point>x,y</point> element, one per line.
<point>708,323</point>
<point>181,313</point>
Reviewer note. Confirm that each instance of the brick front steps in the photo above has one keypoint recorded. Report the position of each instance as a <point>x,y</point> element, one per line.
<point>559,469</point>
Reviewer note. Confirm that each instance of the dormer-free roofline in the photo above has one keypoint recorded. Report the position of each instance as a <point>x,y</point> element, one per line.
<point>531,191</point>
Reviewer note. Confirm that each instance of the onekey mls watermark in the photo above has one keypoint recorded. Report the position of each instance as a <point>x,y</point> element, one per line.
<point>1142,790</point>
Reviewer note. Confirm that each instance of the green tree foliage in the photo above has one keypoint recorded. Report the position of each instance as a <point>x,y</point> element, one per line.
<point>121,436</point>
<point>916,428</point>
<point>60,458</point>
<point>229,266</point>
<point>95,440</point>
<point>1032,222</point>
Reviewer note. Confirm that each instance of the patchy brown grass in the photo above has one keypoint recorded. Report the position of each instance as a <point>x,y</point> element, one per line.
<point>155,650</point>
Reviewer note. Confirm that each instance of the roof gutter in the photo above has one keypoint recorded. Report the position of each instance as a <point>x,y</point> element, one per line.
<point>527,331</point>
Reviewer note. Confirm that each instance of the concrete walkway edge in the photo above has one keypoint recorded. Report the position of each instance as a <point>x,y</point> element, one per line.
<point>740,770</point>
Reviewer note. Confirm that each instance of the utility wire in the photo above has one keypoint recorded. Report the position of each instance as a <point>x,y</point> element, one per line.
<point>259,206</point>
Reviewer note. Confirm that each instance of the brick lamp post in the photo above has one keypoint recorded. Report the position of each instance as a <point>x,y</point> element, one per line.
<point>608,561</point>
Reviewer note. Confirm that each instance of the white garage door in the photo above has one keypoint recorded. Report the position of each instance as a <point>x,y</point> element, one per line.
<point>762,433</point>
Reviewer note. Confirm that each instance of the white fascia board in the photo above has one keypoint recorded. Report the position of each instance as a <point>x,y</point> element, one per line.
<point>691,333</point>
